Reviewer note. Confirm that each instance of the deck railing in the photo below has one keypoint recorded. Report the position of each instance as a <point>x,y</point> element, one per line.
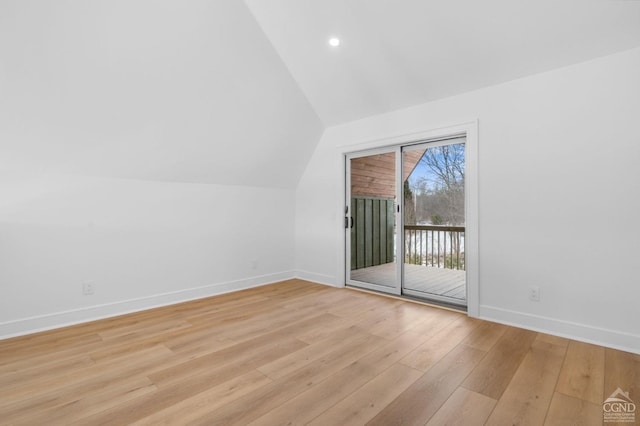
<point>434,245</point>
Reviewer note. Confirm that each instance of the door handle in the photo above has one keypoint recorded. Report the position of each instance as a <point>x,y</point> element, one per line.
<point>348,222</point>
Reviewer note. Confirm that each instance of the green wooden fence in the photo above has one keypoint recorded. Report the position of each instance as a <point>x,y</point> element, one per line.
<point>372,233</point>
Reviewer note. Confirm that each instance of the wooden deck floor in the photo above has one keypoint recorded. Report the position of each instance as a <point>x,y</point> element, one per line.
<point>424,279</point>
<point>301,353</point>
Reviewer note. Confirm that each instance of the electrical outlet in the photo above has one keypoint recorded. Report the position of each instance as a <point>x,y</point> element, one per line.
<point>534,293</point>
<point>88,288</point>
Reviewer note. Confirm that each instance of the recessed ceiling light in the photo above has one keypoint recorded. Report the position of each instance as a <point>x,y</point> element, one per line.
<point>335,42</point>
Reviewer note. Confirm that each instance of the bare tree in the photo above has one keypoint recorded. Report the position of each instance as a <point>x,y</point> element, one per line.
<point>442,195</point>
<point>434,194</point>
<point>447,163</point>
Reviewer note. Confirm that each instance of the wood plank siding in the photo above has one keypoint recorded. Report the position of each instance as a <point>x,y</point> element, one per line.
<point>374,175</point>
<point>373,231</point>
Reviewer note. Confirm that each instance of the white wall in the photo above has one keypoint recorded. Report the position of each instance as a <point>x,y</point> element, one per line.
<point>175,91</point>
<point>149,146</point>
<point>141,243</point>
<point>558,196</point>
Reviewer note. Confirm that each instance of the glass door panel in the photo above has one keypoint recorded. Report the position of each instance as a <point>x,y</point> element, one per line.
<point>371,221</point>
<point>434,221</point>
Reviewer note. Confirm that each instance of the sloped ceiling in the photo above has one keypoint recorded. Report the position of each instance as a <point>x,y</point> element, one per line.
<point>238,92</point>
<point>184,91</point>
<point>399,53</point>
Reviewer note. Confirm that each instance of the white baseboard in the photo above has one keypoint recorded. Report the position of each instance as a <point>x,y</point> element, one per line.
<point>585,333</point>
<point>600,336</point>
<point>39,323</point>
<point>316,278</point>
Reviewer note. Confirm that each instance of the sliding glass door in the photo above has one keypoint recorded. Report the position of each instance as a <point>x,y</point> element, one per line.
<point>371,220</point>
<point>420,252</point>
<point>434,221</point>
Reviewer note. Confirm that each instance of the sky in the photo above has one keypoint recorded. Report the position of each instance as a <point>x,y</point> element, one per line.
<point>422,172</point>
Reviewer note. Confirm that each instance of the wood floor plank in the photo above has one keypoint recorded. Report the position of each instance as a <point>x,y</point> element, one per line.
<point>309,404</point>
<point>464,408</point>
<point>527,398</point>
<point>360,303</point>
<point>221,315</point>
<point>194,341</point>
<point>265,399</point>
<point>24,349</point>
<point>556,340</point>
<point>567,410</point>
<point>434,321</point>
<point>296,352</point>
<point>330,325</point>
<point>434,349</point>
<point>399,320</point>
<point>622,370</point>
<point>376,313</point>
<point>22,364</point>
<point>582,375</point>
<point>423,398</point>
<point>169,395</point>
<point>324,300</point>
<point>485,336</point>
<point>92,378</point>
<point>363,404</point>
<point>50,367</point>
<point>69,407</point>
<point>253,353</point>
<point>306,355</point>
<point>496,370</point>
<point>192,408</point>
<point>137,331</point>
<point>263,324</point>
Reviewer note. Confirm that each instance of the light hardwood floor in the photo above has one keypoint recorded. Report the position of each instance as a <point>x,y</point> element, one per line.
<point>301,353</point>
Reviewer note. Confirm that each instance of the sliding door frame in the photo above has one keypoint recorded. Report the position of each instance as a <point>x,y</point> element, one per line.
<point>468,129</point>
<point>397,289</point>
<point>436,298</point>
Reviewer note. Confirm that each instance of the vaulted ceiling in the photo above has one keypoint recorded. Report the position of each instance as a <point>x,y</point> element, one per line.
<point>239,92</point>
<point>399,53</point>
<point>166,90</point>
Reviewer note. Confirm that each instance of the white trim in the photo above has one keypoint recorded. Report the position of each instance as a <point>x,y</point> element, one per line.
<point>371,151</point>
<point>341,276</point>
<point>571,330</point>
<point>39,323</point>
<point>437,299</point>
<point>466,128</point>
<point>445,131</point>
<point>317,278</point>
<point>472,230</point>
<point>432,143</point>
<point>375,287</point>
<point>398,211</point>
